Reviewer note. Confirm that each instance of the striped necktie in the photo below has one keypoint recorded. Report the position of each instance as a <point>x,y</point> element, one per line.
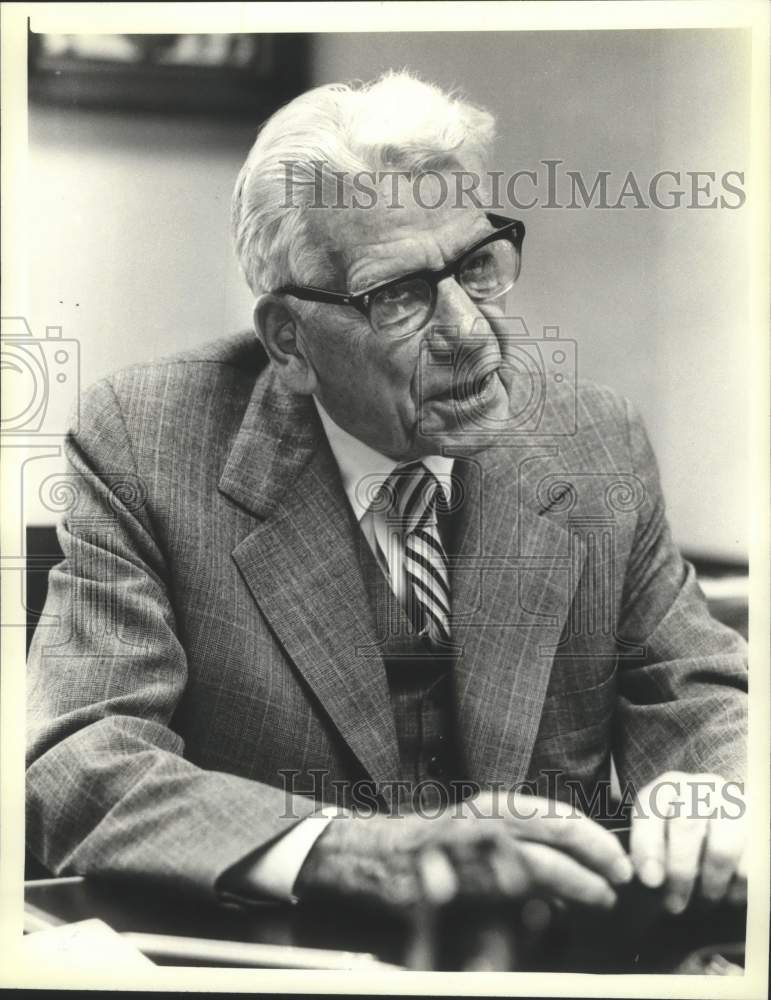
<point>414,495</point>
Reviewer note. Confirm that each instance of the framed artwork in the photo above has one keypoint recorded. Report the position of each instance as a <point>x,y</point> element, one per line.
<point>224,74</point>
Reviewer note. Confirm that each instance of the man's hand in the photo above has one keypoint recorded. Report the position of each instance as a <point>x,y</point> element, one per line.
<point>519,846</point>
<point>690,829</point>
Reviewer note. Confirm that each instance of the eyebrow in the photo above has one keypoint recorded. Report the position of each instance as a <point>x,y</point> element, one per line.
<point>459,249</point>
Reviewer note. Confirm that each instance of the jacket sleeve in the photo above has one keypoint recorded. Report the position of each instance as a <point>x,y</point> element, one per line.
<point>109,790</point>
<point>683,702</point>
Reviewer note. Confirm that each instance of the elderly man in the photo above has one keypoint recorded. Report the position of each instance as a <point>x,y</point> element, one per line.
<point>335,598</point>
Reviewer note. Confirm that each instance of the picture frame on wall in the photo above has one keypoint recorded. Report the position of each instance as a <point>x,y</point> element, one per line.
<point>236,75</point>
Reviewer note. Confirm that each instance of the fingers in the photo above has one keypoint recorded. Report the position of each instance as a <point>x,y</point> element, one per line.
<point>437,876</point>
<point>681,838</point>
<point>685,836</point>
<point>482,869</point>
<point>737,889</point>
<point>560,875</point>
<point>722,852</point>
<point>513,869</point>
<point>648,836</point>
<point>720,966</point>
<point>501,866</point>
<point>558,825</point>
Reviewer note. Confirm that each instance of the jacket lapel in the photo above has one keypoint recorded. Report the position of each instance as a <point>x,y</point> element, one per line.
<point>512,587</point>
<point>302,567</point>
<point>511,579</point>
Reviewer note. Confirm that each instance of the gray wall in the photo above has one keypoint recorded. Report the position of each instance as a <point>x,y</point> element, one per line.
<point>130,250</point>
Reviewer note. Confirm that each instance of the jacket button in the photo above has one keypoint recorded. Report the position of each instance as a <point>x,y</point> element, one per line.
<point>435,768</point>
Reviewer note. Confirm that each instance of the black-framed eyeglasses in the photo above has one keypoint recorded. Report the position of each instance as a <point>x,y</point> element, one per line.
<point>401,306</point>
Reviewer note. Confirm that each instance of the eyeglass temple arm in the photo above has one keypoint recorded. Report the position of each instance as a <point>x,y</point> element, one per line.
<point>503,220</point>
<point>310,294</point>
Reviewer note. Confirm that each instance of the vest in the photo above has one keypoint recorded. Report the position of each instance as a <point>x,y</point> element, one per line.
<point>420,683</point>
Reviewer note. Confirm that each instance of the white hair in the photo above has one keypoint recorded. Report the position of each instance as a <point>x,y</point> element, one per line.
<point>397,122</point>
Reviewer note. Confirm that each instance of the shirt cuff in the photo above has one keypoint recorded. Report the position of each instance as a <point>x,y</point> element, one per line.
<point>274,872</point>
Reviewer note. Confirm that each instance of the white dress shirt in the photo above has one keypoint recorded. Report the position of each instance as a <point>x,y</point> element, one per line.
<point>362,470</point>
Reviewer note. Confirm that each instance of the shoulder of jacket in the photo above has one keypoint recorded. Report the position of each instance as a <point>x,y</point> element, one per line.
<point>227,367</point>
<point>236,357</point>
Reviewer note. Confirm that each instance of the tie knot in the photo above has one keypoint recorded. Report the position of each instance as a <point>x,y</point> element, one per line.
<point>411,493</point>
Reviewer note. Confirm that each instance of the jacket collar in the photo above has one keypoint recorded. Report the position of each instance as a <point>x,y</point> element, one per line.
<point>279,434</point>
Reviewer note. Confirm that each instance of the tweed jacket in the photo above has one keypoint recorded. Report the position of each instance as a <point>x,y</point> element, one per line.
<point>208,647</point>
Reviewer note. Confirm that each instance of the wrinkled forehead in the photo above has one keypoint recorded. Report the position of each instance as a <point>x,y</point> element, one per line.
<point>416,220</point>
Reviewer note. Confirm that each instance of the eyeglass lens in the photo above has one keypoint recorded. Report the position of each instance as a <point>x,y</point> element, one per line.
<point>405,307</point>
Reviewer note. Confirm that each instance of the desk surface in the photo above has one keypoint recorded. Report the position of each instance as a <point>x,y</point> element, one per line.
<point>635,937</point>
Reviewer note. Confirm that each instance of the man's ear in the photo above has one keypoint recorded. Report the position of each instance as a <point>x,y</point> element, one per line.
<point>280,330</point>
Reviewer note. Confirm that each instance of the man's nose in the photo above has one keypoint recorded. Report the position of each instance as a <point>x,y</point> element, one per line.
<point>455,316</point>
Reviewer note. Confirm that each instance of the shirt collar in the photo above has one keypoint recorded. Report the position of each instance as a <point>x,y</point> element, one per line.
<point>357,460</point>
